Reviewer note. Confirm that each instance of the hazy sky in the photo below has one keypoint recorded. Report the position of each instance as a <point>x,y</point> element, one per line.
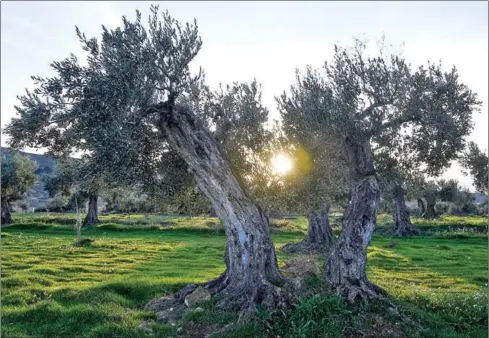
<point>262,40</point>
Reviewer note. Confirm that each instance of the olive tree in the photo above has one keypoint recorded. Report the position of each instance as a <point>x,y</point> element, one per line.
<point>460,198</point>
<point>17,177</point>
<point>129,107</point>
<point>394,181</point>
<point>72,178</point>
<point>368,104</point>
<point>476,162</point>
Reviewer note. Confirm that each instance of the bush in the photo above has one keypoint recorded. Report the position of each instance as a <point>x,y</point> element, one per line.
<point>445,208</point>
<point>449,208</point>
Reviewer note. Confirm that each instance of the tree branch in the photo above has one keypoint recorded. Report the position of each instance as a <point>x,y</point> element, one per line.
<point>367,111</point>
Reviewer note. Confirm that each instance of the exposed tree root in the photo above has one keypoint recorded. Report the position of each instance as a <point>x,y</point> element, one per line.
<point>240,297</point>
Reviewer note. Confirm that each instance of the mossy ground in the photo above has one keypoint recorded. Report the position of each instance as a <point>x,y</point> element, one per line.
<point>52,288</point>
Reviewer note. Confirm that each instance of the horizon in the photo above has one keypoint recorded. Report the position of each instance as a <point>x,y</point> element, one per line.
<point>262,40</point>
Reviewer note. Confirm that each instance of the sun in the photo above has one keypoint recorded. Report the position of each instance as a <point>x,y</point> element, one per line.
<point>281,164</point>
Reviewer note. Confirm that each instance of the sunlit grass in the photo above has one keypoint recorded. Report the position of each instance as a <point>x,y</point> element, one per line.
<point>52,289</point>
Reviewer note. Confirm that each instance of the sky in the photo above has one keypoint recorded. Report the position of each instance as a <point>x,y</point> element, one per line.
<point>263,40</point>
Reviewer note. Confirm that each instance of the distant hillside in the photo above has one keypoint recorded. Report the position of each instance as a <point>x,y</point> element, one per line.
<point>45,164</point>
<point>37,196</point>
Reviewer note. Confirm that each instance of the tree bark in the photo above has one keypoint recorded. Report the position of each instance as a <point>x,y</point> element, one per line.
<point>346,264</point>
<point>319,237</point>
<point>92,214</point>
<point>421,207</point>
<point>402,221</point>
<point>6,216</point>
<point>430,209</point>
<point>252,276</point>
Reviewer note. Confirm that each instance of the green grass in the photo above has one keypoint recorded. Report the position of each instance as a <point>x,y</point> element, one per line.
<point>51,288</point>
<point>445,224</point>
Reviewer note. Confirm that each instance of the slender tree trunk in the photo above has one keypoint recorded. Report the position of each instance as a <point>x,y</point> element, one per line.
<point>402,222</point>
<point>346,263</point>
<point>430,209</point>
<point>319,237</point>
<point>421,207</point>
<point>92,214</point>
<point>251,276</point>
<point>6,216</point>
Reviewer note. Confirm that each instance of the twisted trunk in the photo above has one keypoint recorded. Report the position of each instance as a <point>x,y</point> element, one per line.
<point>430,209</point>
<point>6,216</point>
<point>346,263</point>
<point>421,207</point>
<point>251,276</point>
<point>92,214</point>
<point>319,235</point>
<point>402,222</point>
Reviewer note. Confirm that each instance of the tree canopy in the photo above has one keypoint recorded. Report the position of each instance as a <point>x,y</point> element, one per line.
<point>370,106</point>
<point>476,162</point>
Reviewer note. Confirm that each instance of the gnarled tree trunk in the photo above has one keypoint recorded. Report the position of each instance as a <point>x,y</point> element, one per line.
<point>430,209</point>
<point>346,264</point>
<point>6,216</point>
<point>252,276</point>
<point>402,222</point>
<point>319,235</point>
<point>92,214</point>
<point>421,207</point>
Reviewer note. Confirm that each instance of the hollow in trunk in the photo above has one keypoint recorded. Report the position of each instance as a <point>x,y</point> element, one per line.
<point>346,263</point>
<point>319,237</point>
<point>6,216</point>
<point>252,276</point>
<point>402,221</point>
<point>92,213</point>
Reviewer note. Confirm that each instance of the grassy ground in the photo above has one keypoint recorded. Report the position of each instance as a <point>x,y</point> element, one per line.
<point>51,288</point>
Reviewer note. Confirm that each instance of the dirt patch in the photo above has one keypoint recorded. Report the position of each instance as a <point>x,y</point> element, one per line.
<point>300,266</point>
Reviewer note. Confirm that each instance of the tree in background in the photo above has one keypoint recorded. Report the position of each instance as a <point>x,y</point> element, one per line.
<point>72,178</point>
<point>393,179</point>
<point>58,184</point>
<point>476,162</point>
<point>461,199</point>
<point>318,178</point>
<point>17,177</point>
<point>369,104</point>
<point>129,109</point>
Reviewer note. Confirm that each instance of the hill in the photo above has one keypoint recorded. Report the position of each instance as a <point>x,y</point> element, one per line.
<point>45,164</point>
<point>37,196</point>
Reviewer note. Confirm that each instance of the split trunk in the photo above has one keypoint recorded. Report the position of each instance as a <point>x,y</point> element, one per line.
<point>346,264</point>
<point>430,209</point>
